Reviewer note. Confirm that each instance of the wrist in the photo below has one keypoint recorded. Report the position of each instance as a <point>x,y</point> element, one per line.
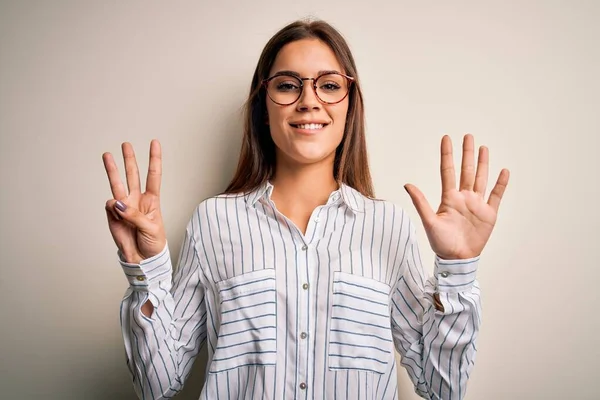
<point>437,302</point>
<point>451,257</point>
<point>132,258</point>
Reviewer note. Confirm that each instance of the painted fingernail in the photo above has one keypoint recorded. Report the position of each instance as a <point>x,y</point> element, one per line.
<point>121,206</point>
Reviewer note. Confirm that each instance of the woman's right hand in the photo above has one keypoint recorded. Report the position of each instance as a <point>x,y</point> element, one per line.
<point>134,219</point>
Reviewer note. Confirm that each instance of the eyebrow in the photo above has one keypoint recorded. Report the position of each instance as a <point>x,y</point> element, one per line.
<point>297,75</point>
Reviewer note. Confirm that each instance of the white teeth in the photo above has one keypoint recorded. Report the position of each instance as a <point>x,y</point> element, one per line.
<point>310,126</point>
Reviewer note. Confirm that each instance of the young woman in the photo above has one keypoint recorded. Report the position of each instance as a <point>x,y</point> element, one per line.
<point>300,280</point>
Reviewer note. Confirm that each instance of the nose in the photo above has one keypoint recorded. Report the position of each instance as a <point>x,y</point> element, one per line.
<point>308,98</point>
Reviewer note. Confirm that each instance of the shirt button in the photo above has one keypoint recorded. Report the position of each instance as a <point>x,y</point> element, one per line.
<point>140,278</point>
<point>445,274</point>
<point>305,286</point>
<point>303,335</point>
<point>317,219</point>
<point>303,386</point>
<point>304,247</point>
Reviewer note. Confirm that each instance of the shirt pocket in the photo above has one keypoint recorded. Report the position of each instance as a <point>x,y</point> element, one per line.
<point>360,336</point>
<point>248,326</point>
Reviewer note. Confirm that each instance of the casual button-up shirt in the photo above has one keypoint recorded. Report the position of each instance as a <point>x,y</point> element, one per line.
<point>292,315</point>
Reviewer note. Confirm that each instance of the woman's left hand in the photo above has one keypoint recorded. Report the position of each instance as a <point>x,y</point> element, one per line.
<point>464,221</point>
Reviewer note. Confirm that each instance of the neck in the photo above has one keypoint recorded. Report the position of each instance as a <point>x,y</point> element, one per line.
<point>302,188</point>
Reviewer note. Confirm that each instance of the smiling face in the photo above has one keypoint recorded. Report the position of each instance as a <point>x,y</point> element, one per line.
<point>307,131</point>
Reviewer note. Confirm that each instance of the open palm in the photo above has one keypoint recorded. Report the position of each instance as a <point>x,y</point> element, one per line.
<point>137,228</point>
<point>464,221</point>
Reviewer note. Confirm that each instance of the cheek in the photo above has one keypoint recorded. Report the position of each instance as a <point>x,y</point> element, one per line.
<point>270,113</point>
<point>339,115</point>
<point>276,116</point>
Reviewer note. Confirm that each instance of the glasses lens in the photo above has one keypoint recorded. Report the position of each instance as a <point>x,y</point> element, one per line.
<point>332,88</point>
<point>284,89</point>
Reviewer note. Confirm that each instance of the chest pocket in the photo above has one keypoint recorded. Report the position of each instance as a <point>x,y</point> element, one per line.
<point>248,330</point>
<point>360,336</point>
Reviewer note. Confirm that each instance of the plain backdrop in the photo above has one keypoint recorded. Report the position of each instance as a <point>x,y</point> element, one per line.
<point>77,78</point>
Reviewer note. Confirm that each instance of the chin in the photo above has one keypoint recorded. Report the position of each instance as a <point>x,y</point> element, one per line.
<point>306,152</point>
<point>307,158</point>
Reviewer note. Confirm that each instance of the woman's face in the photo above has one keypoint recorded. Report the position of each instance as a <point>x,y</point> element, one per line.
<point>307,131</point>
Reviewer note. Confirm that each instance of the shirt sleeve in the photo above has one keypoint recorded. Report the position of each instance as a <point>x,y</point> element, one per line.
<point>161,349</point>
<point>437,347</point>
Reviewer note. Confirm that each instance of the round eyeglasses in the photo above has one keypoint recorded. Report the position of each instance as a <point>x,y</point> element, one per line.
<point>285,88</point>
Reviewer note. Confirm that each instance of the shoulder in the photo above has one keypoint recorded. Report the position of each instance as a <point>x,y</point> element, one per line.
<point>222,200</point>
<point>373,207</point>
<point>381,207</point>
<point>217,207</point>
<point>388,216</point>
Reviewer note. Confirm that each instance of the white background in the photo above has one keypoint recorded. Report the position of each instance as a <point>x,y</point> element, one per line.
<point>77,78</point>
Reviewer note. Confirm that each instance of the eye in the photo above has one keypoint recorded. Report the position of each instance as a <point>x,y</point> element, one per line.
<point>287,86</point>
<point>330,86</point>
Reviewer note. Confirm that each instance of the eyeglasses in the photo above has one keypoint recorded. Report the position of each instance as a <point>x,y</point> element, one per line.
<point>285,88</point>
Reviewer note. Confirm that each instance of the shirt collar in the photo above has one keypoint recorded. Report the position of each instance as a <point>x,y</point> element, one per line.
<point>352,198</point>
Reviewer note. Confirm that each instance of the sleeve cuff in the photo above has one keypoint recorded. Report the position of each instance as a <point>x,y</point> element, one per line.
<point>149,271</point>
<point>454,276</point>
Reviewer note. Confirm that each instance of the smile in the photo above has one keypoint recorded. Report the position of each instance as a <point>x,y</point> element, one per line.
<point>309,126</point>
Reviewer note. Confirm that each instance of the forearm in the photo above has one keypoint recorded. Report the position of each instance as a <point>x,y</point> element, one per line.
<point>148,343</point>
<point>147,308</point>
<point>436,322</point>
<point>164,321</point>
<point>151,351</point>
<point>135,259</point>
<point>449,342</point>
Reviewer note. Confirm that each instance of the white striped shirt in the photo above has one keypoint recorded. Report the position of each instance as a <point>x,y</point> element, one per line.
<point>300,316</point>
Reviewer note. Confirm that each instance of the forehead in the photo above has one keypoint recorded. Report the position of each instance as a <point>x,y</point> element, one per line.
<point>307,57</point>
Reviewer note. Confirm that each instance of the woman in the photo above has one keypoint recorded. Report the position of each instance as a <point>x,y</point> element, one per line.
<point>302,281</point>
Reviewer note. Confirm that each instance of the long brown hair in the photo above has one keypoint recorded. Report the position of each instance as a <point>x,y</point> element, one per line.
<point>257,157</point>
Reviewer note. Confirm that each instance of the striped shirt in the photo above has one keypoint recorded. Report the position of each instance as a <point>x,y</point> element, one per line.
<point>288,315</point>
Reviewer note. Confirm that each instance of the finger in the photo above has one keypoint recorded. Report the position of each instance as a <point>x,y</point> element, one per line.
<point>110,210</point>
<point>498,190</point>
<point>467,171</point>
<point>481,177</point>
<point>447,165</point>
<point>131,168</point>
<point>421,204</point>
<point>133,216</point>
<point>116,185</point>
<point>154,169</point>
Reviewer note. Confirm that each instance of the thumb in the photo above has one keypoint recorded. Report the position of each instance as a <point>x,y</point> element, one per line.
<point>132,215</point>
<point>421,204</point>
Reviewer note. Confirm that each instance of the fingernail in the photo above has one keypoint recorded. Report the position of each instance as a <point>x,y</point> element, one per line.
<point>121,206</point>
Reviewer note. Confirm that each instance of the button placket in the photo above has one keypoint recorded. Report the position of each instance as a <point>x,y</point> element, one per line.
<point>304,304</point>
<point>314,229</point>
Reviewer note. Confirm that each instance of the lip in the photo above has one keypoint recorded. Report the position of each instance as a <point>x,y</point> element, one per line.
<point>309,122</point>
<point>309,132</point>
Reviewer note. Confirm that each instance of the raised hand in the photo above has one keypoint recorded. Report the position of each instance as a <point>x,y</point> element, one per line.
<point>134,218</point>
<point>464,221</point>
